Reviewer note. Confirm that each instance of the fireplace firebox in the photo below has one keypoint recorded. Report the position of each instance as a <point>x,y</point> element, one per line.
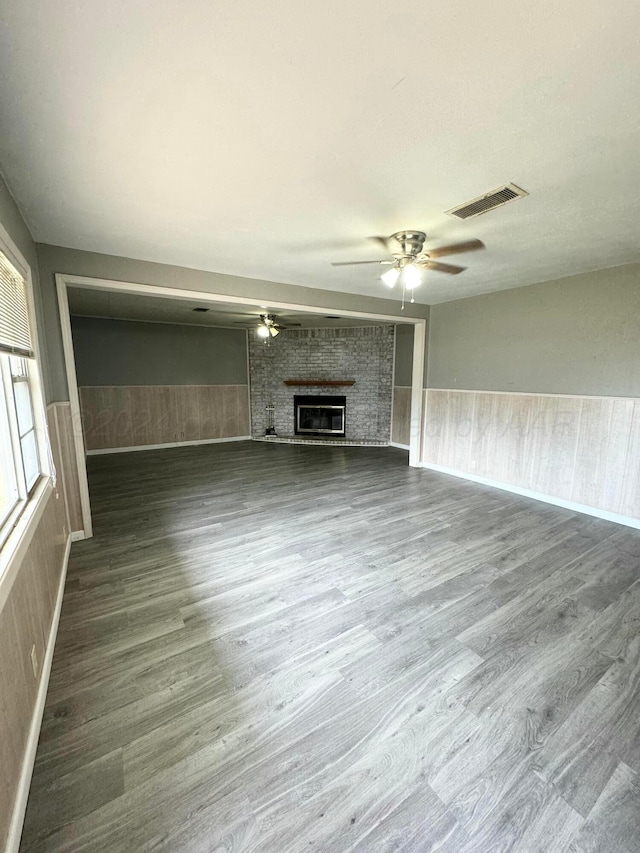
<point>319,415</point>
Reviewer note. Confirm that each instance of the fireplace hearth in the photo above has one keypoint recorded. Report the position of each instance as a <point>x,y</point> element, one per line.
<point>320,415</point>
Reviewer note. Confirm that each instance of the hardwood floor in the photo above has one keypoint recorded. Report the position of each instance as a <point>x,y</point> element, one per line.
<point>279,648</point>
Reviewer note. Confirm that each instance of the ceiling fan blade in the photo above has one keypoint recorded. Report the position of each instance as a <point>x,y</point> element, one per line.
<point>456,249</point>
<point>437,267</point>
<point>356,263</point>
<point>381,241</point>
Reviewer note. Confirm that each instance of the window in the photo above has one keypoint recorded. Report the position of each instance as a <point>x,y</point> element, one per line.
<point>21,412</point>
<point>9,494</point>
<point>26,424</point>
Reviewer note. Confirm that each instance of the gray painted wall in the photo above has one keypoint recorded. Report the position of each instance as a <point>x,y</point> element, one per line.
<point>404,356</point>
<point>120,352</point>
<point>53,259</point>
<point>577,335</point>
<point>11,219</point>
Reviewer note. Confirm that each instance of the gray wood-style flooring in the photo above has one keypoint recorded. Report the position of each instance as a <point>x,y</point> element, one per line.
<point>279,649</point>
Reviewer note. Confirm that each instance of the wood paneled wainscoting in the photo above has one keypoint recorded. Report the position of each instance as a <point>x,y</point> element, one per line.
<point>401,415</point>
<point>30,599</point>
<point>64,458</point>
<point>129,416</point>
<point>571,450</point>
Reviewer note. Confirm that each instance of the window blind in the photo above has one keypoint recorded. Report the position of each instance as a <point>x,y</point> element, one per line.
<point>15,331</point>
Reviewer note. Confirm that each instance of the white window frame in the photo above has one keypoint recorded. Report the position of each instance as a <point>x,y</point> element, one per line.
<point>10,383</point>
<point>18,528</point>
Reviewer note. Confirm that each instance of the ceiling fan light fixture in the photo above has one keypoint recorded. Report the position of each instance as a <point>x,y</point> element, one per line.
<point>409,258</point>
<point>411,276</point>
<point>273,331</point>
<point>263,331</point>
<point>391,276</point>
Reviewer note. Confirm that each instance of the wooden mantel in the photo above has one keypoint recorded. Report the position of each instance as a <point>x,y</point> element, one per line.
<point>333,383</point>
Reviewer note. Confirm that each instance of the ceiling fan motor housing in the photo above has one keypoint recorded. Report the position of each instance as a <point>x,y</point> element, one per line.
<point>411,242</point>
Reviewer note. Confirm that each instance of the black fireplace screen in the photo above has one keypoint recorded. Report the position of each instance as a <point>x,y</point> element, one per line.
<point>319,415</point>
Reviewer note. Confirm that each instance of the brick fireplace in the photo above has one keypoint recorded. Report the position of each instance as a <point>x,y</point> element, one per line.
<point>363,355</point>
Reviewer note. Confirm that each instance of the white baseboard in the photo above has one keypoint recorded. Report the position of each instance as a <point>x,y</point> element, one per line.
<point>401,446</point>
<point>20,804</point>
<point>77,535</point>
<point>627,520</point>
<point>105,450</point>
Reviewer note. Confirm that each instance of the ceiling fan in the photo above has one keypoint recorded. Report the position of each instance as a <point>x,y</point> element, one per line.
<point>409,258</point>
<point>268,325</point>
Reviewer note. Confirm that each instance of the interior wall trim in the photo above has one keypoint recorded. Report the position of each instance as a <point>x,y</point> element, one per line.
<point>209,296</point>
<point>530,394</point>
<point>628,521</point>
<point>22,794</point>
<point>74,400</point>
<point>397,444</point>
<point>417,395</point>
<point>64,280</point>
<point>105,450</point>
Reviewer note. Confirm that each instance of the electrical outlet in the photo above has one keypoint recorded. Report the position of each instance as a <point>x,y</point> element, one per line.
<point>473,464</point>
<point>34,661</point>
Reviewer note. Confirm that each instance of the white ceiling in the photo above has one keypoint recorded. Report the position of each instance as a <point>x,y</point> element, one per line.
<point>268,139</point>
<point>91,302</point>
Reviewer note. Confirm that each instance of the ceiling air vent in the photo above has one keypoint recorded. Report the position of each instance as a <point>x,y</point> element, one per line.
<point>487,202</point>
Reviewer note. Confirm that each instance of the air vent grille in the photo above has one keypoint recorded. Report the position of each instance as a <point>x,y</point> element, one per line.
<point>489,201</point>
